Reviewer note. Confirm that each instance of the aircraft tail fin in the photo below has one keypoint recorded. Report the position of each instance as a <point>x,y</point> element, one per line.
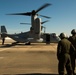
<point>3,32</point>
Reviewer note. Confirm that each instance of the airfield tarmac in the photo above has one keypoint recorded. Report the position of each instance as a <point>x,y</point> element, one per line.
<point>20,59</point>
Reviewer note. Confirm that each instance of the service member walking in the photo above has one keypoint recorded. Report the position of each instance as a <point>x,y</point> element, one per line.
<point>63,56</point>
<point>72,39</point>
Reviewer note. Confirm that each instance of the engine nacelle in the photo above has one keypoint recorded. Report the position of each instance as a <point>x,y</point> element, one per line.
<point>37,28</point>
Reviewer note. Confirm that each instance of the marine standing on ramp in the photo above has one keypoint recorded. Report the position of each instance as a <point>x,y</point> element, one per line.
<point>63,56</point>
<point>72,39</point>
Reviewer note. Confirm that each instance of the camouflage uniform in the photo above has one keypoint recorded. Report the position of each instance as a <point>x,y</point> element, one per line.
<point>72,39</point>
<point>63,50</point>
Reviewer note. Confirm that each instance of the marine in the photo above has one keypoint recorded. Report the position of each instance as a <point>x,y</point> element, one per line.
<point>63,55</point>
<point>72,39</point>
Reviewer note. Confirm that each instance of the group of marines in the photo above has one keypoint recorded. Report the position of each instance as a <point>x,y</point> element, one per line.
<point>66,53</point>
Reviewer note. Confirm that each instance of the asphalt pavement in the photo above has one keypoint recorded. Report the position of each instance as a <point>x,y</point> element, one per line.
<point>31,59</point>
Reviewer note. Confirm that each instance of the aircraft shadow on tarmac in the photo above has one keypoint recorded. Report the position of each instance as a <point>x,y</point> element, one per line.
<point>37,74</point>
<point>19,44</point>
<point>7,45</point>
<point>33,74</point>
<point>10,45</point>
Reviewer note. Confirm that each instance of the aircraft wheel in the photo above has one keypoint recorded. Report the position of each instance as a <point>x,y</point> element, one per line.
<point>28,43</point>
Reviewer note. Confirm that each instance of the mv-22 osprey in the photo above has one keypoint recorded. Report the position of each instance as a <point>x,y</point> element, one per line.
<point>35,34</point>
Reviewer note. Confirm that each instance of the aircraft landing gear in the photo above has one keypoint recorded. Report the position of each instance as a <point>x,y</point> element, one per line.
<point>3,40</point>
<point>28,43</point>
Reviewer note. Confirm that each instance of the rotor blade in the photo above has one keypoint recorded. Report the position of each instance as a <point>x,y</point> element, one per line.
<point>26,23</point>
<point>44,16</point>
<point>28,13</point>
<point>42,7</point>
<point>44,22</point>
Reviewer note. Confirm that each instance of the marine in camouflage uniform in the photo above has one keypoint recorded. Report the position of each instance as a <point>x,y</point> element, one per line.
<point>72,39</point>
<point>63,56</point>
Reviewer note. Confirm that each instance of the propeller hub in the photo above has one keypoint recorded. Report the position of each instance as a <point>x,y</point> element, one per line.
<point>33,12</point>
